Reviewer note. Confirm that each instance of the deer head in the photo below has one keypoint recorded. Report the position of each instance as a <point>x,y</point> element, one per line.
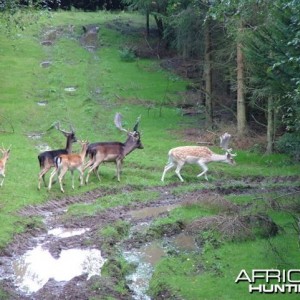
<point>224,144</point>
<point>133,135</point>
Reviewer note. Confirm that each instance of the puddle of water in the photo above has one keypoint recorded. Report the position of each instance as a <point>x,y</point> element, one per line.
<point>37,266</point>
<point>42,103</point>
<point>152,253</point>
<point>66,232</point>
<point>138,282</point>
<point>70,89</point>
<point>145,260</point>
<point>184,242</point>
<point>151,212</point>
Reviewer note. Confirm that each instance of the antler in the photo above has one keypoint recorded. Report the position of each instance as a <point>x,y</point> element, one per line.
<point>135,128</point>
<point>57,126</point>
<point>118,122</point>
<point>2,149</point>
<point>224,141</point>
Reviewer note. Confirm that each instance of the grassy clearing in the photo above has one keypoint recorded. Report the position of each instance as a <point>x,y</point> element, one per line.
<point>104,85</point>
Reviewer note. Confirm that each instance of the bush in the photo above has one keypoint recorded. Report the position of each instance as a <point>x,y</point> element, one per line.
<point>289,143</point>
<point>127,54</point>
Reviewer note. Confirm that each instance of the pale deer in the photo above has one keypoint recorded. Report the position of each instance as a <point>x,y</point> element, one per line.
<point>113,151</point>
<point>198,155</point>
<point>3,160</point>
<point>69,162</point>
<point>46,159</point>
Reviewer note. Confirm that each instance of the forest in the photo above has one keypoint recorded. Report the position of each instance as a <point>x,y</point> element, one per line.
<point>242,55</point>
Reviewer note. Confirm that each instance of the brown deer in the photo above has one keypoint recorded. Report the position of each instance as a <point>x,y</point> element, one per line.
<point>3,160</point>
<point>46,159</point>
<point>198,155</point>
<point>113,151</point>
<point>72,162</point>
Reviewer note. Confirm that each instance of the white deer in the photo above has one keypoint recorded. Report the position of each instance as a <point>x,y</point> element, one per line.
<point>198,155</point>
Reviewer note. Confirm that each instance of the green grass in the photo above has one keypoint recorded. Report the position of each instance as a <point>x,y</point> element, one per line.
<point>104,85</point>
<point>211,274</point>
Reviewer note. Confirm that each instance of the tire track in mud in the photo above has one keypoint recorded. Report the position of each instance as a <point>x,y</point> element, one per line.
<point>54,209</point>
<point>251,185</point>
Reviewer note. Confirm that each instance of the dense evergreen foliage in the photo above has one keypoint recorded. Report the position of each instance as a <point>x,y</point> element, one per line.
<point>246,53</point>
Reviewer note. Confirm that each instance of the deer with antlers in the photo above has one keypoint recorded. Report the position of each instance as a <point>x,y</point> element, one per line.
<point>69,162</point>
<point>46,159</point>
<point>113,151</point>
<point>198,155</point>
<point>3,160</point>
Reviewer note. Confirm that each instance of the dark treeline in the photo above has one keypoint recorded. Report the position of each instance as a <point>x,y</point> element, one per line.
<point>86,5</point>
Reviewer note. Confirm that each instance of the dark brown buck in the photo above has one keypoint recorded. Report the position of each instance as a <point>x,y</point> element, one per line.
<point>113,151</point>
<point>3,160</point>
<point>46,159</point>
<point>198,155</point>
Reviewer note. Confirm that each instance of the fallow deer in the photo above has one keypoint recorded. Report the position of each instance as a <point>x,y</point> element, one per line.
<point>46,159</point>
<point>113,151</point>
<point>198,155</point>
<point>71,162</point>
<point>3,160</point>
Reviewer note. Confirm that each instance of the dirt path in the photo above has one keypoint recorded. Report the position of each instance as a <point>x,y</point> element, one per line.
<point>53,215</point>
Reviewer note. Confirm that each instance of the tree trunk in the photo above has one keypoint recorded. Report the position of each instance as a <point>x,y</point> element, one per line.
<point>241,103</point>
<point>208,78</point>
<point>160,26</point>
<point>147,23</point>
<point>270,127</point>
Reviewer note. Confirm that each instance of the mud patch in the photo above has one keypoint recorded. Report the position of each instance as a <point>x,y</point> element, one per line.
<point>144,246</point>
<point>151,212</point>
<point>46,64</point>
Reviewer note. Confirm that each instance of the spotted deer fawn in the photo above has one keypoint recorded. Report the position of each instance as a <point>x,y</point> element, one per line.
<point>198,155</point>
<point>71,162</point>
<point>46,159</point>
<point>113,151</point>
<point>3,160</point>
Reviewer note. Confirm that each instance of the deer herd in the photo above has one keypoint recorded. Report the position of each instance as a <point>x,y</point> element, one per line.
<point>92,155</point>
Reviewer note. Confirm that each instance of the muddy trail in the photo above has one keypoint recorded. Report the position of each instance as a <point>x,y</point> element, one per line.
<point>79,238</point>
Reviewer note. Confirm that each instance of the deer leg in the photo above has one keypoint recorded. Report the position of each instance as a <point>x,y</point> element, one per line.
<point>60,178</point>
<point>94,166</point>
<point>3,176</point>
<point>169,166</point>
<point>50,179</point>
<point>177,171</point>
<point>88,164</point>
<point>42,176</point>
<point>119,164</point>
<point>72,174</point>
<point>205,169</point>
<point>81,176</point>
<point>97,173</point>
